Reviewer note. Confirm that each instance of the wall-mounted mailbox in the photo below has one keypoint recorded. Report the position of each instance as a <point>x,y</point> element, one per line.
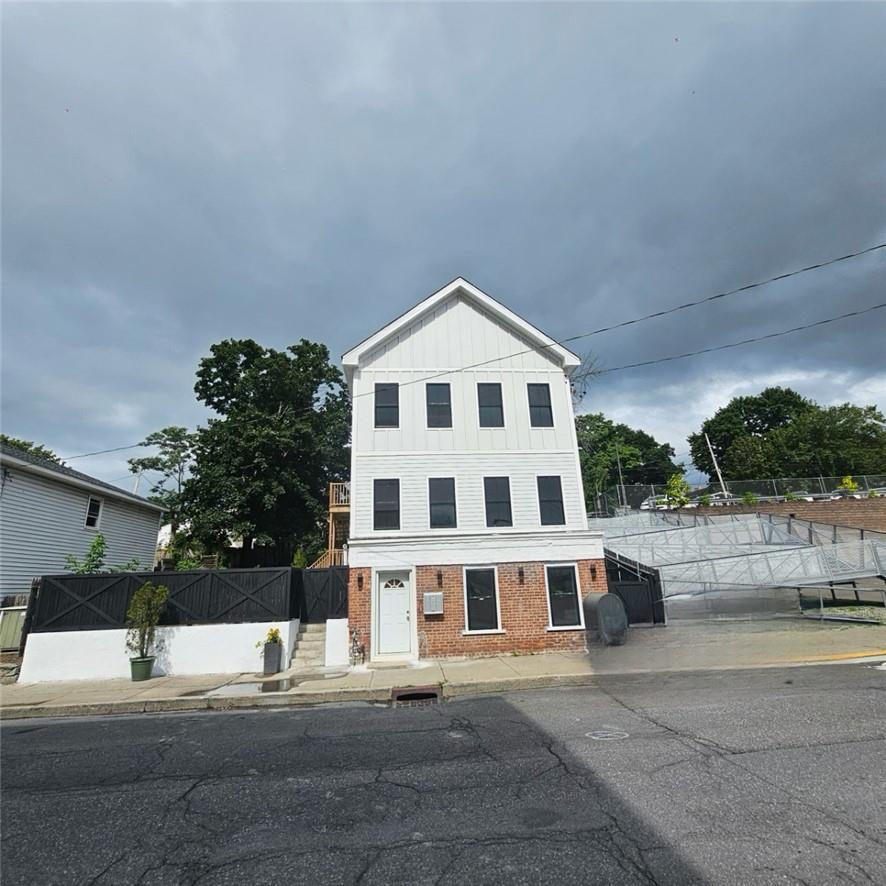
<point>433,603</point>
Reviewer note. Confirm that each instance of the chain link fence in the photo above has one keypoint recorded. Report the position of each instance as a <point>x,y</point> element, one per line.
<point>652,496</point>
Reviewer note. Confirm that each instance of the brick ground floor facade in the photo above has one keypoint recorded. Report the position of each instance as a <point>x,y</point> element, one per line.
<point>523,608</point>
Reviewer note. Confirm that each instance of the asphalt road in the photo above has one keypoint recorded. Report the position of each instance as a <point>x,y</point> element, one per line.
<point>742,777</point>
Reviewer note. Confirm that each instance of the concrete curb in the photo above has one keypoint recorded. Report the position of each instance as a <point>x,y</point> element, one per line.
<point>332,696</point>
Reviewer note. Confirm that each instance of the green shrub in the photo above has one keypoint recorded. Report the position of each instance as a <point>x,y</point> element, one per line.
<point>705,500</point>
<point>749,498</point>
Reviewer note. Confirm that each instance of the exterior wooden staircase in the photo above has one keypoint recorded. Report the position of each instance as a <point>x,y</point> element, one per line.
<point>339,519</point>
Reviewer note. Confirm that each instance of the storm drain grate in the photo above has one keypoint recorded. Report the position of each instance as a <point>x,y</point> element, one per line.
<point>413,696</point>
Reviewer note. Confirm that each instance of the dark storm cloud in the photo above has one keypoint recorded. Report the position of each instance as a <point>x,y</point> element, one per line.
<point>174,175</point>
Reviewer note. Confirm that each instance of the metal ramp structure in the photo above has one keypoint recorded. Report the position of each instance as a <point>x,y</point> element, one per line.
<point>693,555</point>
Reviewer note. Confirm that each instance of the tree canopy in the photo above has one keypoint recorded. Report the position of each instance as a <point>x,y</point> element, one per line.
<point>779,433</point>
<point>167,469</point>
<point>261,470</point>
<point>643,459</point>
<point>28,446</point>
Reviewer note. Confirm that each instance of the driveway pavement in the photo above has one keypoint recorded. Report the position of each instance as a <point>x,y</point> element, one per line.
<point>774,776</point>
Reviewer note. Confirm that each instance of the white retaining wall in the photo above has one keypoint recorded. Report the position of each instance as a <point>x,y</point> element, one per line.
<point>184,649</point>
<point>337,642</point>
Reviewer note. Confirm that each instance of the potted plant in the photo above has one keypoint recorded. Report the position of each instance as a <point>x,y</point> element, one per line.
<point>272,653</point>
<point>142,617</point>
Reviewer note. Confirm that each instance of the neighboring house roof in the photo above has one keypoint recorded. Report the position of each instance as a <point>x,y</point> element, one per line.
<point>13,456</point>
<point>460,286</point>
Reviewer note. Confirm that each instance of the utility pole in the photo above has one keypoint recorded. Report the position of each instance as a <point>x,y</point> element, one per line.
<point>138,478</point>
<point>621,480</point>
<point>716,466</point>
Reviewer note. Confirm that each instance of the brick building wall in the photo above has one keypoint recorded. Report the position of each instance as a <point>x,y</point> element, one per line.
<point>863,513</point>
<point>523,606</point>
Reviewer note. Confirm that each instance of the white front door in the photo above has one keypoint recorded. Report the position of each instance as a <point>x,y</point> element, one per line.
<point>394,603</point>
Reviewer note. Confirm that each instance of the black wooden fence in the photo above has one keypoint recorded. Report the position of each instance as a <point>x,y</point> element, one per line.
<point>205,596</point>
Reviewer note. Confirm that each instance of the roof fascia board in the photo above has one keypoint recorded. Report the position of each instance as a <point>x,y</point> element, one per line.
<point>81,484</point>
<point>566,358</point>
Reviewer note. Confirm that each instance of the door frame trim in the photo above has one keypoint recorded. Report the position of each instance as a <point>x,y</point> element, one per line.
<point>374,654</point>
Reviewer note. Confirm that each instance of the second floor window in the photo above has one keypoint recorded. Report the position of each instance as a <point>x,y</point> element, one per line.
<point>387,404</point>
<point>550,501</point>
<point>93,513</point>
<point>385,504</point>
<point>439,404</point>
<point>441,502</point>
<point>540,413</point>
<point>497,491</point>
<point>492,413</point>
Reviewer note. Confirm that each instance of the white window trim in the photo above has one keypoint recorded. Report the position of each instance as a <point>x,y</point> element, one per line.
<point>581,614</point>
<point>436,529</point>
<point>510,499</point>
<point>395,427</point>
<point>546,526</point>
<point>101,512</point>
<point>451,426</point>
<point>464,586</point>
<point>399,504</point>
<point>504,416</point>
<point>553,423</point>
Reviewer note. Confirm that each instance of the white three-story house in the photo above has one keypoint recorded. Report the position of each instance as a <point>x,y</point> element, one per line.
<point>469,534</point>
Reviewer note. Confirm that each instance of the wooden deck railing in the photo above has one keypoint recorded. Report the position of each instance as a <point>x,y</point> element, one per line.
<point>329,558</point>
<point>339,495</point>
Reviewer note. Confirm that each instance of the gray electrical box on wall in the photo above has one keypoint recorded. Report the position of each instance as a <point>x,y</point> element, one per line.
<point>433,604</point>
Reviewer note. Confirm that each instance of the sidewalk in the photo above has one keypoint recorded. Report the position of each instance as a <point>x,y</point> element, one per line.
<point>679,647</point>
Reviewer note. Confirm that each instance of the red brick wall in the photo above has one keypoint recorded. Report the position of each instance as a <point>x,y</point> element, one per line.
<point>863,513</point>
<point>524,610</point>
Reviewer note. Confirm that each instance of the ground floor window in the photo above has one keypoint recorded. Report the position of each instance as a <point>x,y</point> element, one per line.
<point>481,600</point>
<point>563,596</point>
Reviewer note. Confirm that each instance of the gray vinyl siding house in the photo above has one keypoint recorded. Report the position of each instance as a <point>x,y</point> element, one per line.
<point>48,511</point>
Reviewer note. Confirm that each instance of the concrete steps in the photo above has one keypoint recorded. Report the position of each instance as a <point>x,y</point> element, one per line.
<point>310,648</point>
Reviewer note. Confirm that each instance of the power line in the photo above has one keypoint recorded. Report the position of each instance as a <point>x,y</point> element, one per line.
<point>746,341</point>
<point>728,292</point>
<point>635,320</point>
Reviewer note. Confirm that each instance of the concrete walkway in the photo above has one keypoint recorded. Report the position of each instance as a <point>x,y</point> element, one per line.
<point>678,647</point>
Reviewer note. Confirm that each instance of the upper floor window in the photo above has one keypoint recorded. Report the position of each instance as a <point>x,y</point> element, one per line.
<point>385,504</point>
<point>540,413</point>
<point>93,512</point>
<point>492,414</point>
<point>550,501</point>
<point>441,502</point>
<point>387,404</point>
<point>497,491</point>
<point>439,403</point>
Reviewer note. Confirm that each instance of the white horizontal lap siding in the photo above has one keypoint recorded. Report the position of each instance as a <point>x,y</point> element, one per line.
<point>468,469</point>
<point>42,520</point>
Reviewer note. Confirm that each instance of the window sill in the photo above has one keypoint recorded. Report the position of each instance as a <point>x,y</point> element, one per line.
<point>482,633</point>
<point>565,628</point>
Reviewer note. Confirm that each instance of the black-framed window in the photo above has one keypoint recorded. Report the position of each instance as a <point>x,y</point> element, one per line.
<point>481,606</point>
<point>439,403</point>
<point>93,512</point>
<point>497,492</point>
<point>492,413</point>
<point>541,414</point>
<point>563,597</point>
<point>387,404</point>
<point>385,504</point>
<point>550,501</point>
<point>441,502</point>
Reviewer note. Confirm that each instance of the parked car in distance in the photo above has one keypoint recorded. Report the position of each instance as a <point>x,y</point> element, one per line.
<point>655,503</point>
<point>724,498</point>
<point>846,493</point>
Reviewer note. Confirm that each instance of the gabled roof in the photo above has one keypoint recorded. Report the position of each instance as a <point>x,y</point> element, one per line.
<point>13,456</point>
<point>460,286</point>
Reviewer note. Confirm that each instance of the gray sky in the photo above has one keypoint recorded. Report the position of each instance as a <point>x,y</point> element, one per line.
<point>178,174</point>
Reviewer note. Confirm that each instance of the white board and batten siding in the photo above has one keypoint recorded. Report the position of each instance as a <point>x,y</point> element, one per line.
<point>43,518</point>
<point>456,332</point>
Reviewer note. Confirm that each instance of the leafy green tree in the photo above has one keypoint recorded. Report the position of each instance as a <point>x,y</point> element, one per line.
<point>677,491</point>
<point>93,561</point>
<point>643,459</point>
<point>261,469</point>
<point>30,447</point>
<point>169,467</point>
<point>742,418</point>
<point>847,484</point>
